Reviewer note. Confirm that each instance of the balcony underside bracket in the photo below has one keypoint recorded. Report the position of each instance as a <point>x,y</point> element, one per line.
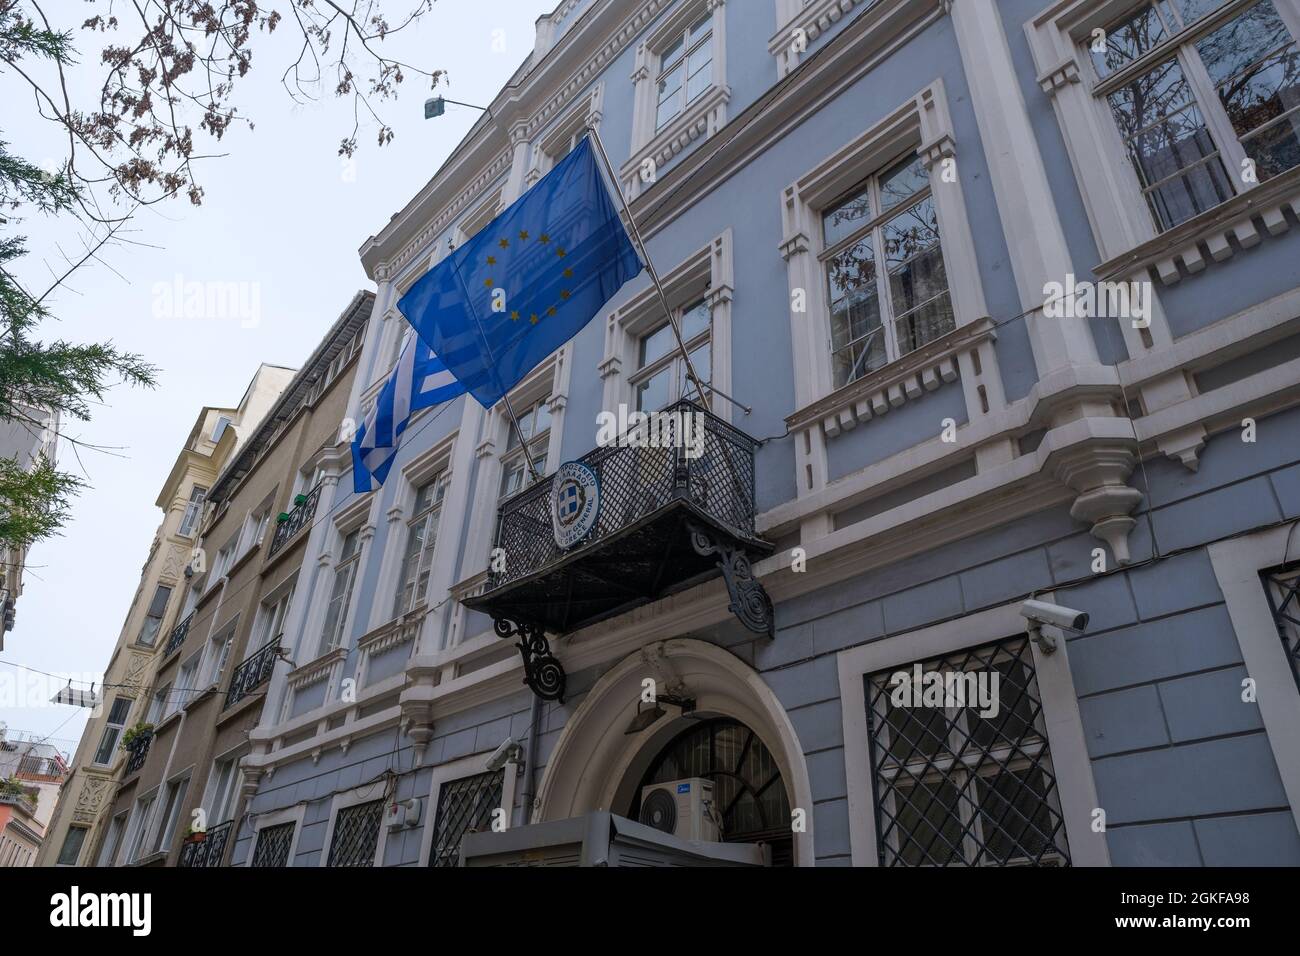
<point>543,672</point>
<point>749,599</point>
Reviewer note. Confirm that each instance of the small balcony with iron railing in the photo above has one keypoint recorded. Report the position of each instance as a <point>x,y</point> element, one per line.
<point>288,525</point>
<point>627,524</point>
<point>253,672</point>
<point>137,752</point>
<point>178,635</point>
<point>208,849</point>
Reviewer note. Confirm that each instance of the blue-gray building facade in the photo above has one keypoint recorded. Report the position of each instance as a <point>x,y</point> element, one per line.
<point>1010,294</point>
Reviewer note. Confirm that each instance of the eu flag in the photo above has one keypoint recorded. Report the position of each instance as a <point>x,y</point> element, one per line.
<point>495,308</point>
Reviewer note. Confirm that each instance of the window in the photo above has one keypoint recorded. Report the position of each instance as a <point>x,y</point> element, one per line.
<point>71,849</point>
<point>138,824</point>
<point>661,376</point>
<point>1283,588</point>
<point>113,840</point>
<point>1196,96</point>
<point>186,683</point>
<point>270,623</point>
<point>685,70</point>
<point>273,844</point>
<point>355,840</point>
<point>886,228</point>
<point>219,428</point>
<point>117,715</point>
<point>154,618</point>
<point>172,804</point>
<point>223,787</point>
<point>193,511</point>
<point>535,425</point>
<point>464,806</point>
<point>345,575</point>
<point>421,537</point>
<point>218,651</point>
<point>224,559</point>
<point>254,529</point>
<point>158,704</point>
<point>957,782</point>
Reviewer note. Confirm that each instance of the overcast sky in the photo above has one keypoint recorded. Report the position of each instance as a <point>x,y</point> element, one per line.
<point>284,214</point>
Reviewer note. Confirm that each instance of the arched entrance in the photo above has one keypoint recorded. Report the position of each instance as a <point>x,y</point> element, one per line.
<point>597,765</point>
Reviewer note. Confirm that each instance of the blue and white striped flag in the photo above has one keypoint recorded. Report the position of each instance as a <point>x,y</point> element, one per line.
<point>420,380</point>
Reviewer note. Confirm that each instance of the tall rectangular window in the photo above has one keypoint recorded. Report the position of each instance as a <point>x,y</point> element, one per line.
<point>273,844</point>
<point>421,537</point>
<point>173,803</point>
<point>71,849</point>
<point>888,287</point>
<point>117,715</point>
<point>1183,82</point>
<point>223,790</point>
<point>345,575</point>
<point>535,424</point>
<point>464,805</point>
<point>685,70</point>
<point>186,687</point>
<point>356,835</point>
<point>661,377</point>
<point>218,652</point>
<point>158,704</point>
<point>154,618</point>
<point>136,830</point>
<point>193,511</point>
<point>961,765</point>
<point>270,623</point>
<point>113,840</point>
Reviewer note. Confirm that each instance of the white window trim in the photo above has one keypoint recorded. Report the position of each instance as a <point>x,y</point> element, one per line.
<point>366,793</point>
<point>802,22</point>
<point>234,755</point>
<point>1070,761</point>
<point>484,212</point>
<point>1237,563</point>
<point>357,517</point>
<point>295,815</point>
<point>1108,184</point>
<point>701,118</point>
<point>446,773</point>
<point>707,273</point>
<point>546,149</point>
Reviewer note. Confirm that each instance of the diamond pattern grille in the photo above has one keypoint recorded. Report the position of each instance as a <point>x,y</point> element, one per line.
<point>356,834</point>
<point>634,483</point>
<point>1283,588</point>
<point>958,784</point>
<point>273,845</point>
<point>464,806</point>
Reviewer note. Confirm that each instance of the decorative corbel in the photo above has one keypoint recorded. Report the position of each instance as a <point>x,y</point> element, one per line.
<point>1099,473</point>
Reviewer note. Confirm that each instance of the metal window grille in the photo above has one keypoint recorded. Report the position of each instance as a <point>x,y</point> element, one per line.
<point>1283,588</point>
<point>356,834</point>
<point>273,845</point>
<point>464,806</point>
<point>952,787</point>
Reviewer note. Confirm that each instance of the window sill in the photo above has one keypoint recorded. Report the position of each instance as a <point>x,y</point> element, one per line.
<point>893,385</point>
<point>315,671</point>
<point>167,721</point>
<point>699,120</point>
<point>1178,251</point>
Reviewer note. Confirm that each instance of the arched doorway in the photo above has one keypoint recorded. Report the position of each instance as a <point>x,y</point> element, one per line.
<point>750,794</point>
<point>598,765</point>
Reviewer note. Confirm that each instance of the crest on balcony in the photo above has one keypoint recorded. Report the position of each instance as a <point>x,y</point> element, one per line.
<point>575,503</point>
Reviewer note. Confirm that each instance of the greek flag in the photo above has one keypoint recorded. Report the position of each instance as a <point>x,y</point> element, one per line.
<point>420,380</point>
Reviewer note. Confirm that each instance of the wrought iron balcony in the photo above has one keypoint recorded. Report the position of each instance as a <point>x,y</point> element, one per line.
<point>668,514</point>
<point>139,752</point>
<point>253,672</point>
<point>208,851</point>
<point>299,518</point>
<point>177,636</point>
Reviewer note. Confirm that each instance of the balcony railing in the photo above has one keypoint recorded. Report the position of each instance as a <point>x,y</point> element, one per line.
<point>177,636</point>
<point>210,850</point>
<point>299,518</point>
<point>672,512</point>
<point>139,752</point>
<point>253,672</point>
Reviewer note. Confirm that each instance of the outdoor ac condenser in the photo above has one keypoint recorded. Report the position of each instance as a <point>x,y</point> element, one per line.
<point>684,808</point>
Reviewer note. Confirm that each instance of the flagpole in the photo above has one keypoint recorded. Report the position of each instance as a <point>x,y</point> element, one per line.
<point>650,268</point>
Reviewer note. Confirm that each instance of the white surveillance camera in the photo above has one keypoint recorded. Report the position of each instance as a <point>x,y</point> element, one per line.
<point>1055,615</point>
<point>1039,613</point>
<point>508,751</point>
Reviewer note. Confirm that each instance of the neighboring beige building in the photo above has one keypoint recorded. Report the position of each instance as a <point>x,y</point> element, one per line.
<point>31,772</point>
<point>211,673</point>
<point>218,434</point>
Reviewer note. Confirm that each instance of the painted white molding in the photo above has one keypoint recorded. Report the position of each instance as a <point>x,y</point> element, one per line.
<point>363,794</point>
<point>1070,762</point>
<point>1237,564</point>
<point>470,766</point>
<point>294,814</point>
<point>595,766</point>
<point>553,145</point>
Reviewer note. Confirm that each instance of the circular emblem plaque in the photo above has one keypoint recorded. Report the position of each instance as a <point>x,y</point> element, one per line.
<point>575,503</point>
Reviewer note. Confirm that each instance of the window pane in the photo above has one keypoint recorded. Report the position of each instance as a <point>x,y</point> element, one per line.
<point>1128,40</point>
<point>670,100</point>
<point>846,218</point>
<point>1277,148</point>
<point>671,55</point>
<point>696,320</point>
<point>1242,41</point>
<point>1015,818</point>
<point>159,603</point>
<point>699,70</point>
<point>107,743</point>
<point>653,394</point>
<point>656,345</point>
<point>71,848</point>
<point>541,419</point>
<point>925,827</point>
<point>856,340</point>
<point>1193,10</point>
<point>701,27</point>
<point>903,181</point>
<point>512,477</point>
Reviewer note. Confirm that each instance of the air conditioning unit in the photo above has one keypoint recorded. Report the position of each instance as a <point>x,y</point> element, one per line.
<point>684,808</point>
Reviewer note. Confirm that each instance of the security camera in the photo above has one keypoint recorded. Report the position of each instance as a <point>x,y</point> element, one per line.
<point>1039,613</point>
<point>508,751</point>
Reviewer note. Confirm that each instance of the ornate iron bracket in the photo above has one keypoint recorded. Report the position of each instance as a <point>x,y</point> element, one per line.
<point>749,600</point>
<point>543,672</point>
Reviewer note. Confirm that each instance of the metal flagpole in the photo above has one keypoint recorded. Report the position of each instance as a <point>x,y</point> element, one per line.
<point>650,268</point>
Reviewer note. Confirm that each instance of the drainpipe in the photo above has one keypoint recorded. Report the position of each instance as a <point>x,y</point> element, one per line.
<point>530,753</point>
